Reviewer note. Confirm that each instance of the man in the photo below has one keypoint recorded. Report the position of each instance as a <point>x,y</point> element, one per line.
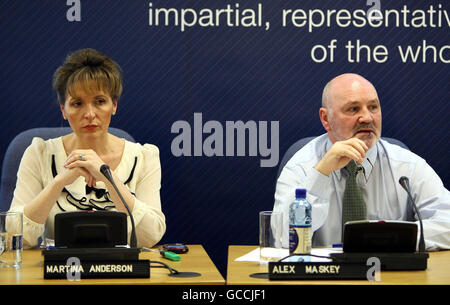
<point>351,115</point>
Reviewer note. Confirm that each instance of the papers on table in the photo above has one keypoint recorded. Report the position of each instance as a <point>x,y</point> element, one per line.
<point>253,256</point>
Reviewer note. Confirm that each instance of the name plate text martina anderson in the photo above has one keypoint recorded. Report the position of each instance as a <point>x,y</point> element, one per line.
<point>96,269</point>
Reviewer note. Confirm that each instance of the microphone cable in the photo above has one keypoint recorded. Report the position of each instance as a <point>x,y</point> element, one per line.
<point>164,265</point>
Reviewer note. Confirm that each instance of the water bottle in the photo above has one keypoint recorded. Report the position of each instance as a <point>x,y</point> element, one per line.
<point>300,224</point>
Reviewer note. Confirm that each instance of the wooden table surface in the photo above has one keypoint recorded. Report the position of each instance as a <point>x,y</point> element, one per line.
<point>437,273</point>
<point>196,260</point>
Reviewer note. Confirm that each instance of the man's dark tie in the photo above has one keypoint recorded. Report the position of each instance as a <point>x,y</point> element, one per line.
<point>353,205</point>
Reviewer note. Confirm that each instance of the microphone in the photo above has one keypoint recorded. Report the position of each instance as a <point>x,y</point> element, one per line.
<point>404,182</point>
<point>104,169</point>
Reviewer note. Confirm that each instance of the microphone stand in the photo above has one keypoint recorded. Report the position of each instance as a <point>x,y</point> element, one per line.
<point>404,182</point>
<point>104,169</point>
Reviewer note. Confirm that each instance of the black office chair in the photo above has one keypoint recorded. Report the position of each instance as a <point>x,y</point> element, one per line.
<point>17,147</point>
<point>302,142</point>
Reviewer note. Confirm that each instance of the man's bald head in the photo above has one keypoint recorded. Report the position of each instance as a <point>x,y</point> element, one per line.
<point>346,81</point>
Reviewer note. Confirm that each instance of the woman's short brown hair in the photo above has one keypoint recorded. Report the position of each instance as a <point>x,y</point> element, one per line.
<point>83,67</point>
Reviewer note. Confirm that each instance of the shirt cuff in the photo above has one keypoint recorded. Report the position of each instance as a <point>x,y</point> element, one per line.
<point>31,232</point>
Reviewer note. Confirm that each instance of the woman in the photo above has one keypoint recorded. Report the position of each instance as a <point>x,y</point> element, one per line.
<point>63,174</point>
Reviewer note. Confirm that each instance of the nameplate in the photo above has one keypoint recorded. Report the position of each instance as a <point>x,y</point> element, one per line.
<point>76,269</point>
<point>317,271</point>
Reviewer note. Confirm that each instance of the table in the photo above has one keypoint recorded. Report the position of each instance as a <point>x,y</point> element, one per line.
<point>437,273</point>
<point>196,260</point>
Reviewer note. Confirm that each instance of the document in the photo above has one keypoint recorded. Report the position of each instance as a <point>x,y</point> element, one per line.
<point>317,255</point>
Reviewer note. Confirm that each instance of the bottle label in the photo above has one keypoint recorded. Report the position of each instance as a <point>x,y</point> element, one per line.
<point>299,239</point>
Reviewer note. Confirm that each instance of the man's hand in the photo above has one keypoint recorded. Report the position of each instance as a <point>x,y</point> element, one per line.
<point>340,154</point>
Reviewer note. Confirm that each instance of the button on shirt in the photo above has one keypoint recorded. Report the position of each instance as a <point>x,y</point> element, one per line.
<point>383,166</point>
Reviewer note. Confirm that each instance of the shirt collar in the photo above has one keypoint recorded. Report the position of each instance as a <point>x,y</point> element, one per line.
<point>368,161</point>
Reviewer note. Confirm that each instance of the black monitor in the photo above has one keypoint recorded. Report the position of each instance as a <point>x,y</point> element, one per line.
<point>98,229</point>
<point>380,236</point>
